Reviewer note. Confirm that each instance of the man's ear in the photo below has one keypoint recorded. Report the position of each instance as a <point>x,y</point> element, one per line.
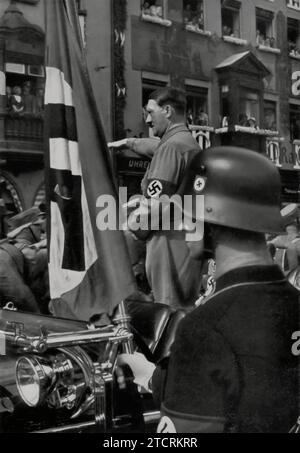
<point>169,110</point>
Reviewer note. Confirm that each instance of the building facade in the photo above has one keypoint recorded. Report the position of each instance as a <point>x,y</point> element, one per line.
<point>239,62</point>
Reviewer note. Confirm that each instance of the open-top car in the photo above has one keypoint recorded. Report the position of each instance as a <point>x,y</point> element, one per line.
<point>59,375</point>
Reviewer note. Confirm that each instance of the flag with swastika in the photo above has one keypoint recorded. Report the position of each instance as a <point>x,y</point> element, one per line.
<point>89,270</point>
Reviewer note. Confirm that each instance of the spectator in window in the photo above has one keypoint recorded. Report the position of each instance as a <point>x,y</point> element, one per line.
<point>225,121</point>
<point>187,14</point>
<point>8,96</point>
<point>202,118</point>
<point>201,21</point>
<point>146,8</point>
<point>28,98</point>
<point>272,42</point>
<point>292,46</point>
<point>259,38</point>
<point>226,31</point>
<point>39,102</point>
<point>190,117</point>
<point>252,122</point>
<point>159,11</point>
<point>267,42</point>
<point>243,119</point>
<point>16,100</point>
<point>153,10</point>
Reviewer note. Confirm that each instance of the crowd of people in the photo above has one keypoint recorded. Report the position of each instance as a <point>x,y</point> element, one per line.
<point>25,100</point>
<point>266,41</point>
<point>23,261</point>
<point>293,49</point>
<point>152,10</point>
<point>247,121</point>
<point>194,18</point>
<point>228,31</point>
<point>200,119</point>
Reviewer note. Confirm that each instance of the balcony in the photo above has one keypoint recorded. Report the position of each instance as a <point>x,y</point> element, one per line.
<point>27,128</point>
<point>21,138</point>
<point>247,130</point>
<point>245,137</point>
<point>293,4</point>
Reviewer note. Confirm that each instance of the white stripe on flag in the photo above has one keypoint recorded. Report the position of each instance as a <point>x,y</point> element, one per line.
<point>63,280</point>
<point>64,155</point>
<point>57,91</point>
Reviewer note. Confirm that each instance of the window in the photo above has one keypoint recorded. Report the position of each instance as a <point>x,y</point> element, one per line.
<point>294,37</point>
<point>25,89</point>
<point>249,108</point>
<point>82,14</point>
<point>197,106</point>
<point>270,115</point>
<point>193,14</point>
<point>148,87</point>
<point>295,122</point>
<point>264,28</point>
<point>231,18</point>
<point>154,8</point>
<point>36,70</point>
<point>295,4</point>
<point>224,106</point>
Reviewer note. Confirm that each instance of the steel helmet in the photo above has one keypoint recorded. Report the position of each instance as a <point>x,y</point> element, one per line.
<point>241,189</point>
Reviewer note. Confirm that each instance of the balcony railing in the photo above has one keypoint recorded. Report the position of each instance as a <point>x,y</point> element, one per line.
<point>294,4</point>
<point>24,128</point>
<point>247,130</point>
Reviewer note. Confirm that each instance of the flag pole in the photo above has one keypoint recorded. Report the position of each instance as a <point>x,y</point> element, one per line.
<point>122,319</point>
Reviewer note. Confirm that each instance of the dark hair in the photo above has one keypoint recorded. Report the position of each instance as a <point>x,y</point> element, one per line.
<point>173,96</point>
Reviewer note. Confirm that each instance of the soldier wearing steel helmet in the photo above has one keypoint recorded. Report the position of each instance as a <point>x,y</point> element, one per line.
<point>231,367</point>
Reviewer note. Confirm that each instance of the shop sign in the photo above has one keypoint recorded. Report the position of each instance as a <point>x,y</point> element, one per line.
<point>273,152</point>
<point>296,83</point>
<point>132,165</point>
<point>283,153</point>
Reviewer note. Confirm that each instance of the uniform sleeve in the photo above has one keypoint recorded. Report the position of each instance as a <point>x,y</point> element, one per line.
<point>201,386</point>
<point>144,147</point>
<point>166,171</point>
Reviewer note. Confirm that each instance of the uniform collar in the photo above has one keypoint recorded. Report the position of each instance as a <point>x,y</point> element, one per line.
<point>172,131</point>
<point>250,274</point>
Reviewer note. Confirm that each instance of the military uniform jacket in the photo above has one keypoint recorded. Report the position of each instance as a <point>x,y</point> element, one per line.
<point>12,285</point>
<point>231,367</point>
<point>173,276</point>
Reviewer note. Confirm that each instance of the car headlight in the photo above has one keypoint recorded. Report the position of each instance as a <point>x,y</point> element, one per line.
<point>34,377</point>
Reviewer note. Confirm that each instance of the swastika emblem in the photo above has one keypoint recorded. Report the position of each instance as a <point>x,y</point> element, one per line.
<point>199,184</point>
<point>155,188</point>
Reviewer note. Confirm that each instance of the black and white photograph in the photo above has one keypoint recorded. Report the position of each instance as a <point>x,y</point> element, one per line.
<point>149,219</point>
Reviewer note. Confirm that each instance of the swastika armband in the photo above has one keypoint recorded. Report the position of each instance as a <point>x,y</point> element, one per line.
<point>154,189</point>
<point>158,187</point>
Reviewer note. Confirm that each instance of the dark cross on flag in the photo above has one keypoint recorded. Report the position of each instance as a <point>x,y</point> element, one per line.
<point>65,190</point>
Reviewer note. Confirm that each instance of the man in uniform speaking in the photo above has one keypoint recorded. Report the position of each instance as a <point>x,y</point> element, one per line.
<point>173,274</point>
